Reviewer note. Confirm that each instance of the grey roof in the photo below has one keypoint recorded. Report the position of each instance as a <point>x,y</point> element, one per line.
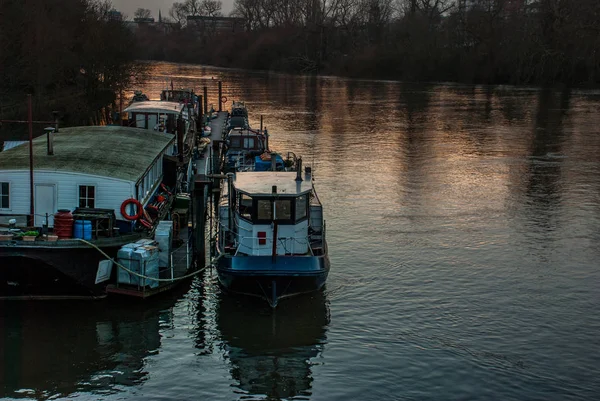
<point>108,151</point>
<point>260,183</point>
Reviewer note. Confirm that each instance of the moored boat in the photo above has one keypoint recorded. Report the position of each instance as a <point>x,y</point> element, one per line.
<point>271,235</point>
<point>94,191</point>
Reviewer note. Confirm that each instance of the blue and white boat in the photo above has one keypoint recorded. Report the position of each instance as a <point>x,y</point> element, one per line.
<point>271,235</point>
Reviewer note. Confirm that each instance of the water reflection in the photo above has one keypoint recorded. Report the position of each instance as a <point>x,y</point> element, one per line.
<point>545,156</point>
<point>270,352</point>
<point>50,350</point>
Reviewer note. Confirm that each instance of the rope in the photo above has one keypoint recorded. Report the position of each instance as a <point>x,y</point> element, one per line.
<point>138,274</point>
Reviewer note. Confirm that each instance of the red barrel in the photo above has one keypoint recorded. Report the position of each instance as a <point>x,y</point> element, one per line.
<point>63,223</point>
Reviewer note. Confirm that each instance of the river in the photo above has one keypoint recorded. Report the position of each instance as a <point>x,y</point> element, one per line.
<point>463,228</point>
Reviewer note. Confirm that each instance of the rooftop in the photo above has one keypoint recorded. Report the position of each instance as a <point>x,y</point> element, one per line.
<point>108,151</point>
<point>260,183</point>
<point>155,106</point>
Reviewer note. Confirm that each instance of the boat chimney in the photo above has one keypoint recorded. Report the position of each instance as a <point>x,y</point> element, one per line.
<point>308,173</point>
<point>273,161</point>
<point>55,113</point>
<point>50,137</point>
<point>299,169</point>
<point>274,189</point>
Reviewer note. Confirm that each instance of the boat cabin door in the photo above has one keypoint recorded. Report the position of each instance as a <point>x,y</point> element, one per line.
<point>45,202</point>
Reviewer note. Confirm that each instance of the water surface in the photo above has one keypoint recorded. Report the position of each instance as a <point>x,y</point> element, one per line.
<point>463,227</point>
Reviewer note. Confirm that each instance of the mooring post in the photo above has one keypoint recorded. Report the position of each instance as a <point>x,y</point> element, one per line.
<point>198,218</point>
<point>205,100</point>
<point>220,95</point>
<point>200,114</point>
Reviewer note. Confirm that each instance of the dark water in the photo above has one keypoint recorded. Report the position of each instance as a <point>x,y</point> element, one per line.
<point>464,228</point>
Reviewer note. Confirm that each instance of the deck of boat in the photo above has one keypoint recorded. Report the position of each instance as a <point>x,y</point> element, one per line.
<point>216,125</point>
<point>181,267</point>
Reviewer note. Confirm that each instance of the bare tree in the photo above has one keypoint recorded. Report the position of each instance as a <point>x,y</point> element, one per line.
<point>211,8</point>
<point>142,13</point>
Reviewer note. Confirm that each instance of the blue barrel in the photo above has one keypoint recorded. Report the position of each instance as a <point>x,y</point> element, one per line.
<point>82,229</point>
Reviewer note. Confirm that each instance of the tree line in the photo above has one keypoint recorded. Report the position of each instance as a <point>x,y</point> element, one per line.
<point>483,41</point>
<point>69,54</point>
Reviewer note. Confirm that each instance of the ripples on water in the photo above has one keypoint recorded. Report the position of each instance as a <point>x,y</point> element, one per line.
<point>463,228</point>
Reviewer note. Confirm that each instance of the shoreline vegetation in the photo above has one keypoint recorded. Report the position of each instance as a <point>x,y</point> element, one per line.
<point>69,54</point>
<point>521,42</point>
<point>74,56</point>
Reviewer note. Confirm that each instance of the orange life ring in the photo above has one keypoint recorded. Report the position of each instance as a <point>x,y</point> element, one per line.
<point>224,99</point>
<point>132,201</point>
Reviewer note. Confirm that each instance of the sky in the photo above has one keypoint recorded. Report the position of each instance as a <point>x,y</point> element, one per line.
<point>128,7</point>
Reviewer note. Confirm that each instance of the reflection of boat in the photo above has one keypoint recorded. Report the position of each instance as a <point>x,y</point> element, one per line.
<point>271,235</point>
<point>54,350</point>
<point>270,352</point>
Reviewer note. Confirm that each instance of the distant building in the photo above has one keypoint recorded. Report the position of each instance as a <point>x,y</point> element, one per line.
<point>209,26</point>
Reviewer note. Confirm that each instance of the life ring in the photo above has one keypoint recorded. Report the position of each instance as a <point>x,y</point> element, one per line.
<point>224,99</point>
<point>132,201</point>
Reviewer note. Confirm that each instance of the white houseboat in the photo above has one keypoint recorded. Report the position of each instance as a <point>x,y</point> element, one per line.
<point>86,173</point>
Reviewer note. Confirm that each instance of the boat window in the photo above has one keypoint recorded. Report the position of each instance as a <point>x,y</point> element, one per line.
<point>301,209</point>
<point>4,195</point>
<point>87,196</point>
<point>245,207</point>
<point>283,209</point>
<point>265,210</point>
<point>249,143</point>
<point>235,142</point>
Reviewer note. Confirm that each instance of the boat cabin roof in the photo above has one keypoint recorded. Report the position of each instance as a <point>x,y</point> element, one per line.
<point>108,151</point>
<point>238,131</point>
<point>261,183</point>
<point>155,106</point>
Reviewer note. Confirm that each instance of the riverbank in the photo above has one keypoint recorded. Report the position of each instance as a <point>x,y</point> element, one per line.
<point>509,45</point>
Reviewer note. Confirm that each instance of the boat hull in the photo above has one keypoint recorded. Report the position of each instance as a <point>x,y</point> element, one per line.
<point>61,270</point>
<point>272,280</point>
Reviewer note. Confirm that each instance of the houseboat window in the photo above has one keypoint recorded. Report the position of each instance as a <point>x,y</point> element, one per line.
<point>283,209</point>
<point>301,208</point>
<point>87,196</point>
<point>246,206</point>
<point>265,210</point>
<point>4,195</point>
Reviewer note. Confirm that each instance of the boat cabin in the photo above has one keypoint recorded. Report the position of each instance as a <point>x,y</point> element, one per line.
<point>264,206</point>
<point>184,96</point>
<point>82,167</point>
<point>238,109</point>
<point>242,145</point>
<point>156,115</point>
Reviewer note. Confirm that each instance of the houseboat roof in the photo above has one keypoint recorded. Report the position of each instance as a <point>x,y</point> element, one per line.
<point>108,151</point>
<point>155,106</point>
<point>261,183</point>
